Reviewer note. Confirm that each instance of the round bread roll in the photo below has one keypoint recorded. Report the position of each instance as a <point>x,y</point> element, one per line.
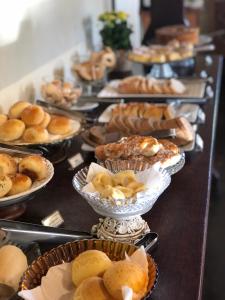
<point>33,115</point>
<point>34,166</point>
<point>5,185</point>
<point>35,134</point>
<point>13,263</point>
<point>45,121</point>
<point>60,125</point>
<point>92,288</point>
<point>11,130</point>
<point>125,273</point>
<point>88,264</point>
<point>20,183</point>
<point>7,165</point>
<point>16,110</point>
<point>3,118</point>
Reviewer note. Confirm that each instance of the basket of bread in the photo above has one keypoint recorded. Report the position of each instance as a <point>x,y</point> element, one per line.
<point>91,269</point>
<point>27,124</point>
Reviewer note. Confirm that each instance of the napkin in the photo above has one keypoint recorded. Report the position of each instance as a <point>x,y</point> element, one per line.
<point>152,178</point>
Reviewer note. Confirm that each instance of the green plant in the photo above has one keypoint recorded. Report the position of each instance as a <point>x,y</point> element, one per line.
<point>116,31</point>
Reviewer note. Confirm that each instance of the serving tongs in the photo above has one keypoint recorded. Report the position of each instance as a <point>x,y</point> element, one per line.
<point>18,150</point>
<point>29,233</point>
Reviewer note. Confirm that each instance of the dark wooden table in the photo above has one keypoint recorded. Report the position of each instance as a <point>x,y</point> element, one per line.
<point>180,215</point>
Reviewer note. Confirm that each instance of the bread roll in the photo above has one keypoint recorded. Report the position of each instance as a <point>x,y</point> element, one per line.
<point>125,273</point>
<point>60,125</point>
<point>3,118</point>
<point>20,183</point>
<point>34,166</point>
<point>5,185</point>
<point>88,264</point>
<point>8,165</point>
<point>92,288</point>
<point>16,110</point>
<point>45,121</point>
<point>13,264</point>
<point>33,115</point>
<point>35,134</point>
<point>11,130</point>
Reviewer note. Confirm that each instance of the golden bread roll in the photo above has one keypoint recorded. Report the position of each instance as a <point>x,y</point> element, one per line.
<point>46,120</point>
<point>13,264</point>
<point>34,166</point>
<point>11,130</point>
<point>7,165</point>
<point>60,125</point>
<point>35,134</point>
<point>33,115</point>
<point>16,110</point>
<point>125,273</point>
<point>88,264</point>
<point>3,118</point>
<point>5,185</point>
<point>20,183</point>
<point>92,288</point>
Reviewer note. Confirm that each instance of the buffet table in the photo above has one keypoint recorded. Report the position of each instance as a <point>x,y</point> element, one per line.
<point>180,216</point>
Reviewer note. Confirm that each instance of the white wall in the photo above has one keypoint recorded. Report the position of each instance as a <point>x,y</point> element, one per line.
<point>36,35</point>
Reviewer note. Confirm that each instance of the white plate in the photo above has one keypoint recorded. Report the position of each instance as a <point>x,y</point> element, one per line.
<point>85,106</point>
<point>189,111</point>
<point>37,185</point>
<point>195,88</point>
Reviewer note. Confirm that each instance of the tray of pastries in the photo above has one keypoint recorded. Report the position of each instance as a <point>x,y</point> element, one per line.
<point>28,124</point>
<point>22,176</point>
<point>139,153</point>
<point>192,112</point>
<point>149,87</point>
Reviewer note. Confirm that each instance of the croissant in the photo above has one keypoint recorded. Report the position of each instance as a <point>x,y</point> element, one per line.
<point>90,70</point>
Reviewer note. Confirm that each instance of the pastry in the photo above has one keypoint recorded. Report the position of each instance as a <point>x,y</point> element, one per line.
<point>134,145</point>
<point>181,33</point>
<point>32,115</point>
<point>45,121</point>
<point>13,264</point>
<point>11,130</point>
<point>106,57</point>
<point>20,183</point>
<point>36,134</point>
<point>90,70</point>
<point>125,273</point>
<point>8,165</point>
<point>142,85</point>
<point>92,289</point>
<point>88,264</point>
<point>3,118</point>
<point>60,125</point>
<point>16,110</point>
<point>5,185</point>
<point>34,166</point>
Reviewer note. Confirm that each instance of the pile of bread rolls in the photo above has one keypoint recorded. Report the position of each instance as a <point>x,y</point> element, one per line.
<point>29,123</point>
<point>17,175</point>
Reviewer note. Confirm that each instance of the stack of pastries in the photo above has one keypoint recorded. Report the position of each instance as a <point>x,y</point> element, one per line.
<point>18,174</point>
<point>96,277</point>
<point>144,149</point>
<point>143,85</point>
<point>174,50</point>
<point>60,93</point>
<point>142,119</point>
<point>31,124</point>
<point>94,68</point>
